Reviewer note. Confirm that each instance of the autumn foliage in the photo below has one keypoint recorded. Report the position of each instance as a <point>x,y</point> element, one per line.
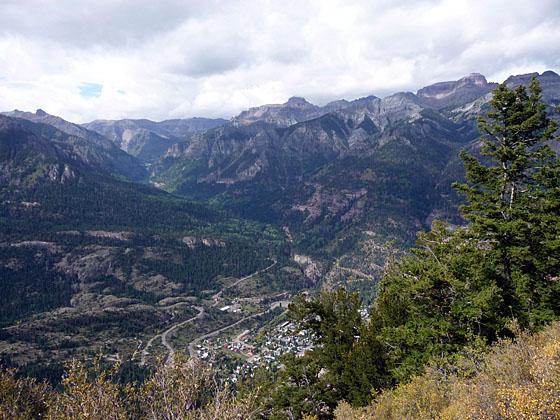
<point>518,379</point>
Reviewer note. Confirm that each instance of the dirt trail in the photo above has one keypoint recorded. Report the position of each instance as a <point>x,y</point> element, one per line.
<point>218,295</point>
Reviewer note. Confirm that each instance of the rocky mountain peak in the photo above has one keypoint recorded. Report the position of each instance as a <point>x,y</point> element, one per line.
<point>474,78</point>
<point>551,74</point>
<point>298,102</point>
<point>455,93</point>
<point>520,79</point>
<point>550,84</point>
<point>524,79</point>
<point>296,109</point>
<point>41,113</point>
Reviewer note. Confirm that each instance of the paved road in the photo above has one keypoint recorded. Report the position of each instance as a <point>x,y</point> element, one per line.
<point>165,334</point>
<point>354,271</point>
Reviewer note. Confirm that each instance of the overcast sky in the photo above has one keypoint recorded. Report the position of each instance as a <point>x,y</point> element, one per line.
<point>88,59</point>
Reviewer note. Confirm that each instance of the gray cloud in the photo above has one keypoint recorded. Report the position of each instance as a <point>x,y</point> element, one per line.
<point>83,23</point>
<point>177,58</point>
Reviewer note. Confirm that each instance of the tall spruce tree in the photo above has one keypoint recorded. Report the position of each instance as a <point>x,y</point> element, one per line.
<point>435,301</point>
<point>512,193</point>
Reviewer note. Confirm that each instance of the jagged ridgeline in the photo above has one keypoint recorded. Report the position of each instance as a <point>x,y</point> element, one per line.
<point>348,163</point>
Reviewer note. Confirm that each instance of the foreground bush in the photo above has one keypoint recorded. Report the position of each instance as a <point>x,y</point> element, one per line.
<point>22,398</point>
<point>187,389</point>
<point>516,380</point>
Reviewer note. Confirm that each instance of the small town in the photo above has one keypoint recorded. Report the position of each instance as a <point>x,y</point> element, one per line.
<point>245,352</point>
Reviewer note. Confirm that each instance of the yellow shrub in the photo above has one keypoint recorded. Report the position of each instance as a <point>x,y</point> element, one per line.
<point>538,397</point>
<point>22,398</point>
<point>516,380</point>
<point>88,394</point>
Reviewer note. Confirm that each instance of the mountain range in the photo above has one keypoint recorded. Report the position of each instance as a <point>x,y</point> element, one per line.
<point>359,163</point>
<point>87,146</point>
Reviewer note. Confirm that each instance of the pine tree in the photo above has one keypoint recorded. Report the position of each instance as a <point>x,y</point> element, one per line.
<point>345,363</point>
<point>436,301</point>
<point>512,201</point>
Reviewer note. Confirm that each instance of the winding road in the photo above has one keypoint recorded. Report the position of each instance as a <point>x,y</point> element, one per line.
<point>354,271</point>
<point>168,346</point>
<point>165,334</point>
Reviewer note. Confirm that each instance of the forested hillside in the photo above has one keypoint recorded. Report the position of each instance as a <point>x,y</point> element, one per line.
<point>86,257</point>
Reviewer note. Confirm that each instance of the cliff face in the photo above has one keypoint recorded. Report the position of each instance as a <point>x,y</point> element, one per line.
<point>455,93</point>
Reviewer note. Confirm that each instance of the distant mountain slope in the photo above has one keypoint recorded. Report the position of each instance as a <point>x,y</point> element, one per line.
<point>71,185</point>
<point>90,146</point>
<point>148,140</point>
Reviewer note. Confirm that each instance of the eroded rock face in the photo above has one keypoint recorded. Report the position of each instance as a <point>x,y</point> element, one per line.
<point>120,236</point>
<point>49,247</point>
<point>93,262</point>
<point>60,173</point>
<point>313,270</point>
<point>327,204</point>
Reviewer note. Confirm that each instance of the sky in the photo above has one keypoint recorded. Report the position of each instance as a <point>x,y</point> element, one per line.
<point>112,59</point>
